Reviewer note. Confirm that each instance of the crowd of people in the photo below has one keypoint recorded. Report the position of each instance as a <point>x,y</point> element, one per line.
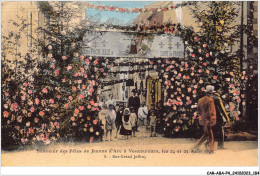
<point>126,120</point>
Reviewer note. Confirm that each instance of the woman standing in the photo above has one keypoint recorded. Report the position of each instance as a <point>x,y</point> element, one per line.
<point>126,128</point>
<point>133,121</point>
<point>110,121</point>
<point>142,119</point>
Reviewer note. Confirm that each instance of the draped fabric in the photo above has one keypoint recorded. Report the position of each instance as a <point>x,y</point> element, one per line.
<point>154,91</point>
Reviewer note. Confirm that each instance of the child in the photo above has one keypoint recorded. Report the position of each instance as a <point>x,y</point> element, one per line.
<point>126,128</point>
<point>153,124</point>
<point>110,121</point>
<point>133,121</point>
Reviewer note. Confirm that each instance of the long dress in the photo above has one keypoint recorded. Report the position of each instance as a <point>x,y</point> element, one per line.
<point>126,128</point>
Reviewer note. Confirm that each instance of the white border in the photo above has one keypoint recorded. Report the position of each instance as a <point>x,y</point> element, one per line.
<point>127,170</point>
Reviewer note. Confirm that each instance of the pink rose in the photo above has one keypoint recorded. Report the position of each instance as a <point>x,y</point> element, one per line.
<point>36,120</point>
<point>24,140</point>
<point>37,101</point>
<point>28,124</point>
<point>89,106</point>
<point>64,57</point>
<point>215,77</point>
<point>94,122</point>
<point>69,67</point>
<point>82,70</point>
<point>5,106</point>
<point>79,81</point>
<point>81,108</point>
<point>81,57</point>
<point>84,86</point>
<point>76,111</point>
<point>6,94</point>
<point>44,90</point>
<point>204,45</point>
<point>30,91</point>
<point>66,105</point>
<point>70,98</point>
<point>15,106</point>
<point>74,88</point>
<point>87,61</point>
<point>91,90</point>
<point>91,139</point>
<point>57,72</point>
<point>52,66</point>
<point>41,113</point>
<point>25,84</point>
<point>96,61</point>
<point>85,75</point>
<point>51,101</point>
<point>6,114</point>
<point>81,96</point>
<point>63,80</point>
<point>32,109</point>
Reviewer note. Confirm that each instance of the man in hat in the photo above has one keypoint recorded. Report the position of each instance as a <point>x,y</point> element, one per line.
<point>222,119</point>
<point>134,101</point>
<point>207,117</point>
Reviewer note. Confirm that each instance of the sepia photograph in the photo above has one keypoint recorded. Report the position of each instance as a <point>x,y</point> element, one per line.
<point>130,83</point>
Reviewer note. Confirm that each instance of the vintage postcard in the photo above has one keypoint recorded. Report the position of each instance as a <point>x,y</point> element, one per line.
<point>129,83</point>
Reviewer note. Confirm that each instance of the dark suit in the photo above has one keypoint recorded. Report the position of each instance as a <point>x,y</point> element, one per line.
<point>222,118</point>
<point>134,102</point>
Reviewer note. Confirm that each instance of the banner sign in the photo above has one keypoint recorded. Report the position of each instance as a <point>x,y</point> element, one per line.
<point>106,44</point>
<point>166,46</point>
<point>117,44</point>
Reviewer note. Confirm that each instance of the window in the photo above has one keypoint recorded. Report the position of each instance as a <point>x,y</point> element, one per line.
<point>29,33</point>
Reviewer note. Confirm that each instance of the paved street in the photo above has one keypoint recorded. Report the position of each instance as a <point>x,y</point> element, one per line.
<point>156,151</point>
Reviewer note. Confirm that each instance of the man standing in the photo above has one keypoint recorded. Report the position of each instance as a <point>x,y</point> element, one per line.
<point>222,119</point>
<point>207,117</point>
<point>134,101</point>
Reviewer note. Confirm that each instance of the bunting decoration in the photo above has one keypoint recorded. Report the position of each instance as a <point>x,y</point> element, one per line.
<point>133,10</point>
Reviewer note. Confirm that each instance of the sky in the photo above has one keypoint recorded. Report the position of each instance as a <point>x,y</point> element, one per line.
<point>125,18</point>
